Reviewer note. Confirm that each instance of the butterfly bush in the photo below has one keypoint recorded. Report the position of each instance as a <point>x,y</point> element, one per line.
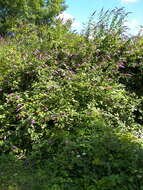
<point>71,106</point>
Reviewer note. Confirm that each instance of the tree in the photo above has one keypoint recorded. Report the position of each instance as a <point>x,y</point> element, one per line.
<point>37,11</point>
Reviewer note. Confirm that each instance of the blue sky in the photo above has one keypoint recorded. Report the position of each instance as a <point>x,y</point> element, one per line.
<point>80,10</point>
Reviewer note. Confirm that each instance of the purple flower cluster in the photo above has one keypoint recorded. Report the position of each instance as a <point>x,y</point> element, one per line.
<point>32,121</point>
<point>121,65</point>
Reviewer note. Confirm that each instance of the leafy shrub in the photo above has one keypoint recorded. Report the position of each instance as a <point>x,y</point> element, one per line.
<point>66,107</point>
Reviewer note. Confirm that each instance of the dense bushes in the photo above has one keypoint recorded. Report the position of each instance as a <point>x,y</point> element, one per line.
<point>70,115</point>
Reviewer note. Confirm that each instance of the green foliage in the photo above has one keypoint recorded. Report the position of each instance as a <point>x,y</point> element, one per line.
<point>132,73</point>
<point>67,115</point>
<point>34,11</point>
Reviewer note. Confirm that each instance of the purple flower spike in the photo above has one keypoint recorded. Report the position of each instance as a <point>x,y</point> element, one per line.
<point>32,121</point>
<point>14,147</point>
<point>121,66</point>
<point>109,79</point>
<point>17,97</point>
<point>19,105</point>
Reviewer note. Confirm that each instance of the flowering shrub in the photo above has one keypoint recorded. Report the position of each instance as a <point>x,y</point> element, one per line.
<point>66,108</point>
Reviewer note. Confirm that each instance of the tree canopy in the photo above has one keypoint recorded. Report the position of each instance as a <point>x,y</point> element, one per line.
<point>37,11</point>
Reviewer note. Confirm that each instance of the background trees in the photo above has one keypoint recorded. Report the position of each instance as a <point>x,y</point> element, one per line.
<point>33,11</point>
